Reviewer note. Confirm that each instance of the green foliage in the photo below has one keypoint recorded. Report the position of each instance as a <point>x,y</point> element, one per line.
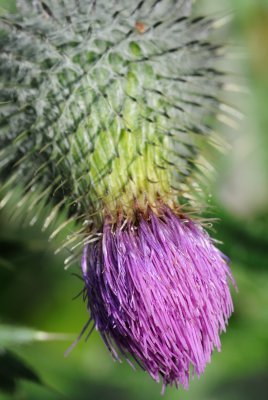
<point>12,370</point>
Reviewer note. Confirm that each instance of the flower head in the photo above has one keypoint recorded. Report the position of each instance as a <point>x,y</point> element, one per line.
<point>158,289</point>
<point>107,108</point>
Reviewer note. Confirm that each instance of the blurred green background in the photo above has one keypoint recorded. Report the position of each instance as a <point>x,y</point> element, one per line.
<point>36,292</point>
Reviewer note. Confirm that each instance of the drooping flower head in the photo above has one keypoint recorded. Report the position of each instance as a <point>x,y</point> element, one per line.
<point>157,288</point>
<point>106,111</point>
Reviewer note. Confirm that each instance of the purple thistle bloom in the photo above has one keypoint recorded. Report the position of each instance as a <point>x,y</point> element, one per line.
<point>158,289</point>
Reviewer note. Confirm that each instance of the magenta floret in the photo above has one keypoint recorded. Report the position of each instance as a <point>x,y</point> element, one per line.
<point>158,289</point>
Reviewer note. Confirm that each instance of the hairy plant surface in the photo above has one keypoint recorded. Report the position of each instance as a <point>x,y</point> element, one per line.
<point>106,110</point>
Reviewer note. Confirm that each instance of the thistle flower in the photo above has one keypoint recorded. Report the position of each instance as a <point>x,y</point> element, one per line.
<point>157,288</point>
<point>106,110</point>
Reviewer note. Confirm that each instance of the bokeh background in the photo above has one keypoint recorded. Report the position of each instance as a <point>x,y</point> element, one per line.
<point>39,319</point>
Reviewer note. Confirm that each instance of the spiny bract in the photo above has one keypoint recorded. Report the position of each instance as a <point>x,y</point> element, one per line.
<point>105,109</point>
<point>105,102</point>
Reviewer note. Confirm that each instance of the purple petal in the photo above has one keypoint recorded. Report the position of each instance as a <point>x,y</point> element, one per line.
<point>158,290</point>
